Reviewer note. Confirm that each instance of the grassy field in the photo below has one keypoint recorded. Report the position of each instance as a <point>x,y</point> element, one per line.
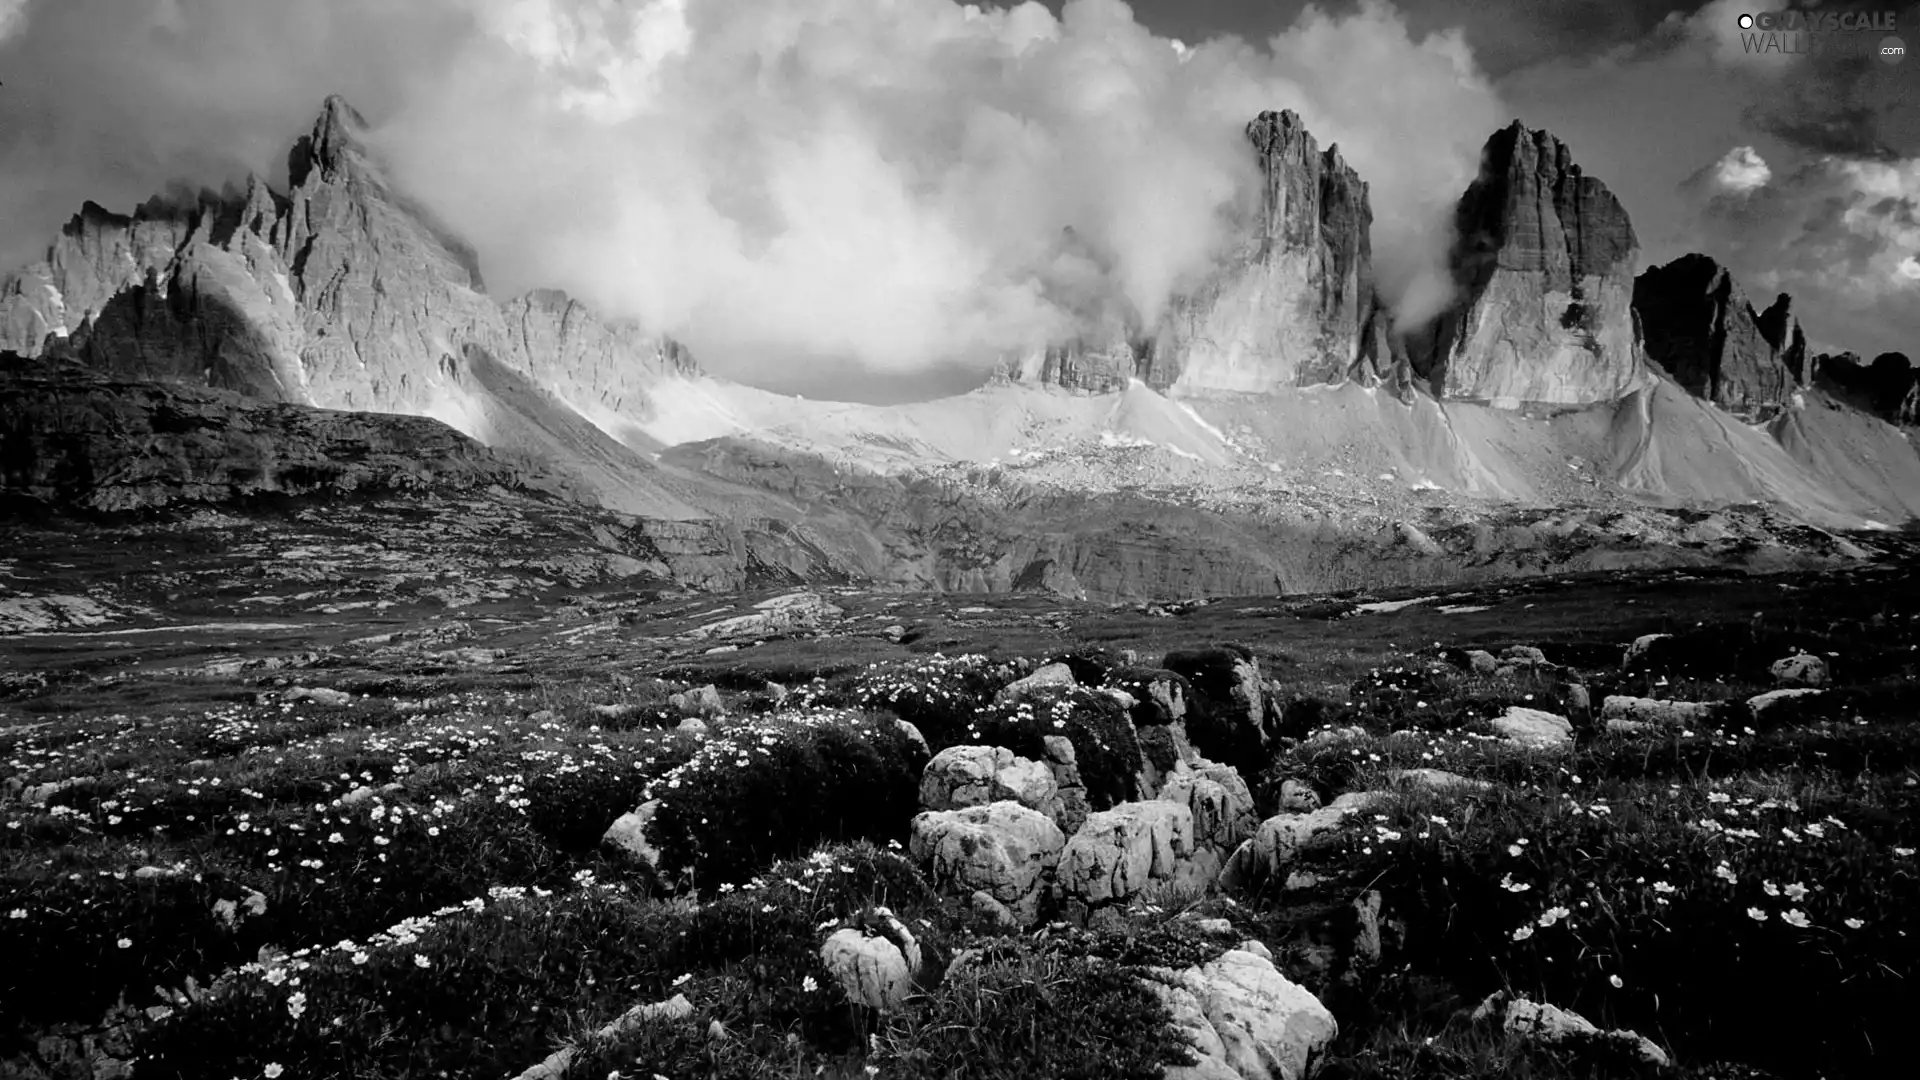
<point>385,860</point>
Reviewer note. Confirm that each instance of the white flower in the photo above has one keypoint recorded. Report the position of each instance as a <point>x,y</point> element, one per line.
<point>682,980</point>
<point>297,1003</point>
<point>273,1070</point>
<point>1770,888</point>
<point>1513,850</point>
<point>421,961</point>
<point>1855,924</point>
<point>809,985</point>
<point>1552,915</point>
<point>1756,914</point>
<point>17,913</point>
<point>1725,873</point>
<point>1796,892</point>
<point>1616,981</point>
<point>125,943</point>
<point>359,958</point>
<point>1903,852</point>
<point>1794,917</point>
<point>1523,933</point>
<point>1664,889</point>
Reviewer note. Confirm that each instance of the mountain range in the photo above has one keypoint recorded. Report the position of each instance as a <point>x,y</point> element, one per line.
<point>1272,430</point>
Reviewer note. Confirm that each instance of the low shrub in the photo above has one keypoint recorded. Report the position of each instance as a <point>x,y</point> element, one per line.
<point>1104,740</point>
<point>573,806</point>
<point>775,786</point>
<point>938,694</point>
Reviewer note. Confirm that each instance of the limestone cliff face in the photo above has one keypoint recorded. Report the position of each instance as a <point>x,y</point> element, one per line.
<point>1888,388</point>
<point>1543,261</point>
<point>342,294</point>
<point>1292,303</point>
<point>1700,327</point>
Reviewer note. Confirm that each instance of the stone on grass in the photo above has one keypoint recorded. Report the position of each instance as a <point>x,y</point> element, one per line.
<point>874,968</point>
<point>1760,703</point>
<point>1524,656</point>
<point>1550,1024</point>
<point>977,775</point>
<point>1003,849</point>
<point>1117,851</point>
<point>319,695</point>
<point>1482,662</point>
<point>1800,669</point>
<point>628,833</point>
<point>1048,675</point>
<point>555,1065</point>
<point>1653,711</point>
<point>1244,1019</point>
<point>1641,646</point>
<point>1534,729</point>
<point>693,725</point>
<point>701,701</point>
<point>1438,780</point>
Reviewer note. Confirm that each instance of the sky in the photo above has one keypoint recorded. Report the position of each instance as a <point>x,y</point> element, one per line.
<point>866,198</point>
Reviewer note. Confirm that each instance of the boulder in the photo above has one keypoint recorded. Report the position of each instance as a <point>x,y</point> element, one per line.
<point>1641,648</point>
<point>1275,844</point>
<point>1482,662</point>
<point>1221,805</point>
<point>1244,1019</point>
<point>1298,797</point>
<point>1760,703</point>
<point>1227,712</point>
<point>875,969</point>
<point>1524,656</point>
<point>962,776</point>
<point>1439,780</point>
<point>692,725</point>
<point>702,702</point>
<point>1534,729</point>
<point>319,695</point>
<point>798,611</point>
<point>1071,809</point>
<point>1117,851</point>
<point>1534,1021</point>
<point>1800,669</point>
<point>628,834</point>
<point>1003,849</point>
<point>1655,712</point>
<point>1049,675</point>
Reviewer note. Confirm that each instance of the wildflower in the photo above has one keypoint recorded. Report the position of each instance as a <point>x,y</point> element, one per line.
<point>1523,933</point>
<point>297,1003</point>
<point>1552,915</point>
<point>125,943</point>
<point>1855,924</point>
<point>682,980</point>
<point>421,961</point>
<point>1904,852</point>
<point>1756,914</point>
<point>1770,888</point>
<point>1513,850</point>
<point>809,984</point>
<point>273,1070</point>
<point>1719,797</point>
<point>1616,981</point>
<point>359,958</point>
<point>1794,917</point>
<point>1664,889</point>
<point>1725,873</point>
<point>17,913</point>
<point>1796,892</point>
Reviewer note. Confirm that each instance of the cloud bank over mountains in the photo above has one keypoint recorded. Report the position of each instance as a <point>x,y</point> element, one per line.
<point>882,185</point>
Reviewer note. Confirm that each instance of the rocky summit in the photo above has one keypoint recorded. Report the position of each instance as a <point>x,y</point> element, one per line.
<point>1543,260</point>
<point>1702,330</point>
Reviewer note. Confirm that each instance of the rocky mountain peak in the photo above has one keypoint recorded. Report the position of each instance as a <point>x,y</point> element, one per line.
<point>1543,260</point>
<point>334,146</point>
<point>1699,326</point>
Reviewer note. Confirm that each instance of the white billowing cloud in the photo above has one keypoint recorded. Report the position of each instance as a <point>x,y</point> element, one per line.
<point>13,18</point>
<point>882,181</point>
<point>890,180</point>
<point>1740,170</point>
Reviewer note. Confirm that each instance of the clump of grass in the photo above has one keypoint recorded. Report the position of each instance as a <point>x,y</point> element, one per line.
<point>1036,1012</point>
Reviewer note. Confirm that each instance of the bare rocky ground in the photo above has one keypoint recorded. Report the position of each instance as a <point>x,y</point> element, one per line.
<point>452,790</point>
